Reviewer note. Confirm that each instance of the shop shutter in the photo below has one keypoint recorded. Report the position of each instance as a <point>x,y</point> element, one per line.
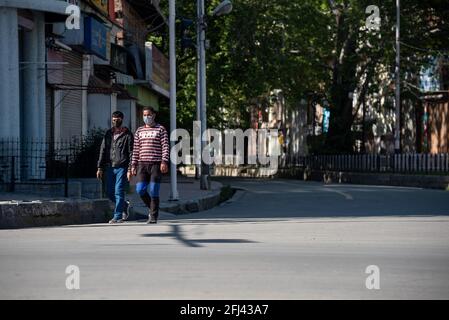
<point>48,113</point>
<point>72,99</point>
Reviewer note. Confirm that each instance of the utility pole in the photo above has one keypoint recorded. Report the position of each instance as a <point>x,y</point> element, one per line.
<point>204,177</point>
<point>223,8</point>
<point>397,133</point>
<point>363,149</point>
<point>171,25</point>
<point>198,80</point>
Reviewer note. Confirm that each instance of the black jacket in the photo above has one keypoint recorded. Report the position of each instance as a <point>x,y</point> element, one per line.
<point>116,153</point>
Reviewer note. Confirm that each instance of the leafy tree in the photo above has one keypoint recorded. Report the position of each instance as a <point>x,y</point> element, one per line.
<point>306,47</point>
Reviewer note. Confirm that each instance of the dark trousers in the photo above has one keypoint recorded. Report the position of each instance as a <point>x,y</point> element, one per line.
<point>149,175</point>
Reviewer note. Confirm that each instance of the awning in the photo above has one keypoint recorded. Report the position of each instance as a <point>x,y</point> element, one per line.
<point>124,78</point>
<point>96,85</point>
<point>99,86</point>
<point>122,92</point>
<point>151,85</point>
<point>149,8</point>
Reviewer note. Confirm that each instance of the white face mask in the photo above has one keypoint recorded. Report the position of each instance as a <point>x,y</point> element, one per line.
<point>149,120</point>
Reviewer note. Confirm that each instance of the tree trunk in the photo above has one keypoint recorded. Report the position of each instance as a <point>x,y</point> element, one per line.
<point>339,137</point>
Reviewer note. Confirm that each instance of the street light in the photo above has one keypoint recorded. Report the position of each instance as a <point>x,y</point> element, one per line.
<point>223,8</point>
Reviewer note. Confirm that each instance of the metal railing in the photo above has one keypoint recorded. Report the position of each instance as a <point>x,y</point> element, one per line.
<point>38,160</point>
<point>375,163</point>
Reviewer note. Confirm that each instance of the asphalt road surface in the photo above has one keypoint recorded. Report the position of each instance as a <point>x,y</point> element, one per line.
<point>276,239</point>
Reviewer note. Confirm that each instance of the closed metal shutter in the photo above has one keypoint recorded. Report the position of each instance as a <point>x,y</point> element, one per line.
<point>71,99</point>
<point>48,113</point>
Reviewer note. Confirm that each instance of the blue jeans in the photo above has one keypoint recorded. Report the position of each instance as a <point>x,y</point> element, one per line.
<point>116,184</point>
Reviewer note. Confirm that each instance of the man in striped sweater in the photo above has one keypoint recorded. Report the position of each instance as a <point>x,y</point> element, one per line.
<point>150,159</point>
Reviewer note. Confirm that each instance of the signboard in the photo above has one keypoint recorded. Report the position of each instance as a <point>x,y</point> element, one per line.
<point>96,37</point>
<point>157,67</point>
<point>118,58</point>
<point>75,2</point>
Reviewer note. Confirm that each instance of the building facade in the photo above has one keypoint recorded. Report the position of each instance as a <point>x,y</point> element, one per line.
<point>61,80</point>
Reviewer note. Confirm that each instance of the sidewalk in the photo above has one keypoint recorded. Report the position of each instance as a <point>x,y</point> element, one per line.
<point>21,210</point>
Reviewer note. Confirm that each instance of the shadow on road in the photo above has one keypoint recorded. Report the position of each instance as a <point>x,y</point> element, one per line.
<point>177,234</point>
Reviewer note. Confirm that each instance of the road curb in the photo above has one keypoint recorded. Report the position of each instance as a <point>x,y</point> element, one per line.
<point>188,206</point>
<point>44,213</point>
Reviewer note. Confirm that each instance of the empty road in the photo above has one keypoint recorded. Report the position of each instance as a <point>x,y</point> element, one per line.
<point>276,239</point>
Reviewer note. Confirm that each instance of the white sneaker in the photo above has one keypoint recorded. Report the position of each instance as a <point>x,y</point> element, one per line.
<point>113,221</point>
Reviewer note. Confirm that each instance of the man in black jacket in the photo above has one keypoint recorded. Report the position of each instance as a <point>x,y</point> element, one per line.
<point>115,156</point>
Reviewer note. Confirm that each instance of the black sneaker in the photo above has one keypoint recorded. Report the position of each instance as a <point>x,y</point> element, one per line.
<point>125,214</point>
<point>152,218</point>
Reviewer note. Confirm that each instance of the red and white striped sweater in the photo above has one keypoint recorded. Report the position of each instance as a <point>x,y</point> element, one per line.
<point>150,145</point>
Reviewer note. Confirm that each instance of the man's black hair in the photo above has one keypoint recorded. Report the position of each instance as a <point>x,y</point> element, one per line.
<point>117,114</point>
<point>149,109</point>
